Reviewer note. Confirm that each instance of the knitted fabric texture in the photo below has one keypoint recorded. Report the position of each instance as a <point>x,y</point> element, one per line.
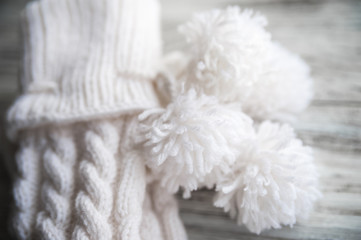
<point>108,131</point>
<point>88,70</point>
<point>86,59</point>
<point>80,182</point>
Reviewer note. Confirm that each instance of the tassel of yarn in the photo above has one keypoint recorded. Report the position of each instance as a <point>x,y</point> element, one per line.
<point>57,185</point>
<point>233,58</point>
<point>273,182</point>
<point>227,48</point>
<point>193,135</point>
<point>285,89</point>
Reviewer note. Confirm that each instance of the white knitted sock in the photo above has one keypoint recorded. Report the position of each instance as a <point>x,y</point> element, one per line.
<point>85,63</point>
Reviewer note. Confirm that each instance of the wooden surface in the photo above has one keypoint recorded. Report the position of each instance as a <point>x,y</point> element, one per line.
<point>328,35</point>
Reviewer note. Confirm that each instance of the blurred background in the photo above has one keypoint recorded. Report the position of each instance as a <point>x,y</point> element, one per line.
<point>327,34</point>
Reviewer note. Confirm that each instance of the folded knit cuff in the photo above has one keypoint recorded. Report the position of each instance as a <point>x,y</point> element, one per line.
<point>86,59</point>
<point>121,96</point>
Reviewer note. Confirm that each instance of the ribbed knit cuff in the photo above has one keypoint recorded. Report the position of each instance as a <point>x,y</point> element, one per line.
<point>120,97</point>
<point>86,59</point>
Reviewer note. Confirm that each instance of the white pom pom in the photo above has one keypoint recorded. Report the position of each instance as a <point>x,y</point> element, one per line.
<point>233,58</point>
<point>227,51</point>
<point>285,88</point>
<point>274,182</point>
<point>192,136</point>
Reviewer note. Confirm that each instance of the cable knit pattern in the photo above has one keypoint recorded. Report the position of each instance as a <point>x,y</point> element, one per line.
<point>94,202</point>
<point>26,188</point>
<point>58,185</point>
<point>130,196</point>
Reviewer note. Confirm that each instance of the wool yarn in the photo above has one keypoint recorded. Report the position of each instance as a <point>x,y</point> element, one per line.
<point>273,183</point>
<point>233,60</point>
<point>191,137</point>
<point>98,193</point>
<point>227,49</point>
<point>233,57</point>
<point>108,131</point>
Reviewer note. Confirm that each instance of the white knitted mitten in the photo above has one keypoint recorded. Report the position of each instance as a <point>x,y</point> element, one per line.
<point>88,70</point>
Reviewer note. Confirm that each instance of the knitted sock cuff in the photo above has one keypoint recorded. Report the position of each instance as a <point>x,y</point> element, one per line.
<point>86,59</point>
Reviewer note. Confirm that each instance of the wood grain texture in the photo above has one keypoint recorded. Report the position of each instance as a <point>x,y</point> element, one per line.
<point>327,33</point>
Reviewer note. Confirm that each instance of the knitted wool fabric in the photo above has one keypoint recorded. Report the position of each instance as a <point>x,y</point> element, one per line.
<point>85,59</point>
<point>80,182</point>
<point>88,70</point>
